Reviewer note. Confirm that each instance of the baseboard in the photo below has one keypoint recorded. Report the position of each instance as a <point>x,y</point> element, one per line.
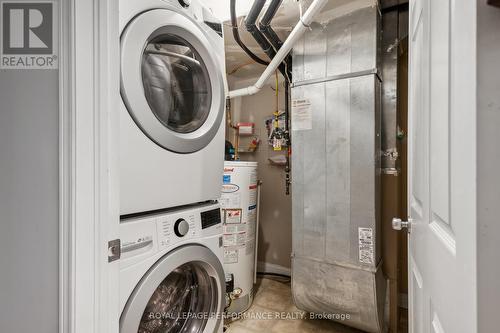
<point>272,268</point>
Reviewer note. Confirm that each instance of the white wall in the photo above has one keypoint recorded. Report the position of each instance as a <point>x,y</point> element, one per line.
<point>275,233</point>
<point>220,8</point>
<point>29,202</point>
<point>488,159</point>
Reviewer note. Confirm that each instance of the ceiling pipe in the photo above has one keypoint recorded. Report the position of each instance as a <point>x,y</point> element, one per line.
<point>236,35</point>
<point>257,35</point>
<point>287,46</point>
<point>266,28</point>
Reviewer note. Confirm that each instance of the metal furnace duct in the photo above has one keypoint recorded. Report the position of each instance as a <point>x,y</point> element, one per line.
<point>336,165</point>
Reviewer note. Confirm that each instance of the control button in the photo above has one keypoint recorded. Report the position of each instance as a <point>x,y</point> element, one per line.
<point>181,227</point>
<point>185,3</point>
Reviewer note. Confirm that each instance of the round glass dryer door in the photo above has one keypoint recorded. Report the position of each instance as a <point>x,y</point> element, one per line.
<point>170,82</point>
<point>181,293</point>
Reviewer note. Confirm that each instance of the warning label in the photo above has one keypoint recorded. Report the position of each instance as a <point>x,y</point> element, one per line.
<point>301,115</point>
<point>365,245</point>
<point>232,216</point>
<point>235,228</point>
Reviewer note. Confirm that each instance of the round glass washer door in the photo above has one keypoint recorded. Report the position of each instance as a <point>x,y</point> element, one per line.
<point>170,82</point>
<point>182,292</point>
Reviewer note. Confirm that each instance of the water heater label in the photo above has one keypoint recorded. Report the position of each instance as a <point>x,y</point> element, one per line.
<point>230,188</point>
<point>252,196</point>
<point>234,228</point>
<point>253,178</point>
<point>230,200</point>
<point>232,216</point>
<point>237,240</point>
<point>365,245</point>
<point>230,256</point>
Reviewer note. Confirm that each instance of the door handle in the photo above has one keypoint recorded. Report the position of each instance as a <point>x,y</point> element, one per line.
<point>398,224</point>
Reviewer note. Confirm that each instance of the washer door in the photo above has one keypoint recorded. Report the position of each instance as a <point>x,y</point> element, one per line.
<point>182,292</point>
<point>170,81</point>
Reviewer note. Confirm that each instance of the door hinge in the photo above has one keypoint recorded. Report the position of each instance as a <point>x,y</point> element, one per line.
<point>391,153</point>
<point>114,250</point>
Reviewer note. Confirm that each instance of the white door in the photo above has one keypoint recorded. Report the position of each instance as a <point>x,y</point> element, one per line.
<point>442,192</point>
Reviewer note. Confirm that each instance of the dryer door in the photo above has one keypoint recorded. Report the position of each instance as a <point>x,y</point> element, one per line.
<point>182,292</point>
<point>170,81</point>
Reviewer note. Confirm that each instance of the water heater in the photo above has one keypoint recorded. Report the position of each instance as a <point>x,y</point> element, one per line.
<point>239,212</point>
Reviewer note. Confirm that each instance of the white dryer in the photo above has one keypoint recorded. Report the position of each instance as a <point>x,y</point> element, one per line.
<point>173,91</point>
<point>171,274</point>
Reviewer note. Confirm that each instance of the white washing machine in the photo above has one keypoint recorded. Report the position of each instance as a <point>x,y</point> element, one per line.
<point>173,90</point>
<point>171,274</point>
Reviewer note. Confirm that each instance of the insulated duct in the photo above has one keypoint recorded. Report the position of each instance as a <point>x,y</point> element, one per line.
<point>336,247</point>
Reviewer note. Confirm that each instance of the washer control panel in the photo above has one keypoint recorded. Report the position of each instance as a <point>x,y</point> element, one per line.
<point>177,227</point>
<point>185,225</point>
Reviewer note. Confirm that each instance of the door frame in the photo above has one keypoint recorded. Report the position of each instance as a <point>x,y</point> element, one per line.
<point>88,186</point>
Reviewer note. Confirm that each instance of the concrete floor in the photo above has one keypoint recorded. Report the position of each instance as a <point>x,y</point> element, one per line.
<point>274,297</point>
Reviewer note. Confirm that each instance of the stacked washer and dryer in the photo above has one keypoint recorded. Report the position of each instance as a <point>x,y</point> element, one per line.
<point>171,161</point>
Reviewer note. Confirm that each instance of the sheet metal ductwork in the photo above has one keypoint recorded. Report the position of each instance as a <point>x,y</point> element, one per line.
<point>336,165</point>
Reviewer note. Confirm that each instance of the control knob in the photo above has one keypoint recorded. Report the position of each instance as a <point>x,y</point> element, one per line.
<point>181,227</point>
